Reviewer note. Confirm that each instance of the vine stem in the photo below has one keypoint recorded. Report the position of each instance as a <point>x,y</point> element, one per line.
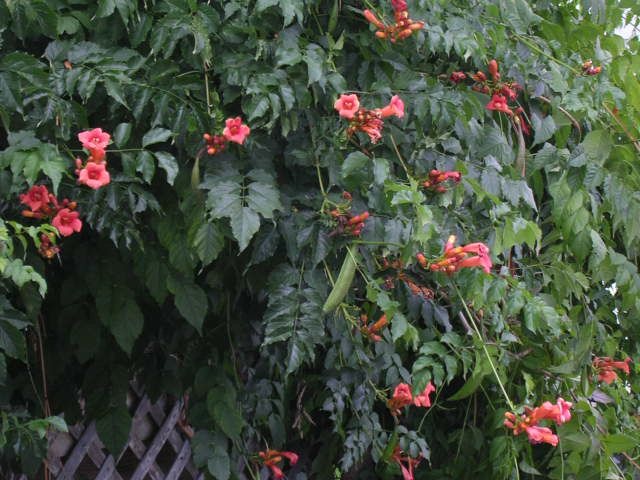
<point>404,166</point>
<point>635,142</point>
<point>573,121</point>
<point>484,348</point>
<point>548,55</point>
<point>371,242</point>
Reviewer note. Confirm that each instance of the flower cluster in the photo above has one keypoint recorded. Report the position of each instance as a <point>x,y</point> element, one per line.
<point>234,131</point>
<point>48,249</point>
<point>93,173</point>
<point>343,221</point>
<point>403,26</point>
<point>589,69</point>
<point>364,120</point>
<point>456,258</point>
<point>605,367</point>
<point>528,422</point>
<point>271,458</point>
<point>44,205</point>
<point>436,178</point>
<point>501,92</point>
<point>414,288</point>
<point>402,397</point>
<point>405,462</point>
<point>371,331</point>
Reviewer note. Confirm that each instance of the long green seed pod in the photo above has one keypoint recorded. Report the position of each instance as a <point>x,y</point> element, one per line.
<point>195,174</point>
<point>343,282</point>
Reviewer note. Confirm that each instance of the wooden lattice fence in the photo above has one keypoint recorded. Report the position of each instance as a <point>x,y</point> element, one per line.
<point>157,448</point>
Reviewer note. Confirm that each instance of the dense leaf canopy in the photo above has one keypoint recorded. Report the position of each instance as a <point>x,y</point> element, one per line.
<point>241,280</point>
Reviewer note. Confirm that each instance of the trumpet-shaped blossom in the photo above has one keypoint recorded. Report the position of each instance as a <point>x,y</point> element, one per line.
<point>94,139</point>
<point>36,197</point>
<point>236,131</point>
<point>406,463</point>
<point>270,458</point>
<point>94,175</point>
<point>541,435</point>
<point>395,107</point>
<point>423,400</point>
<point>67,222</point>
<point>347,105</point>
<point>371,331</point>
<point>499,104</point>
<point>606,368</point>
<point>528,422</point>
<point>402,397</point>
<point>457,77</point>
<point>455,258</point>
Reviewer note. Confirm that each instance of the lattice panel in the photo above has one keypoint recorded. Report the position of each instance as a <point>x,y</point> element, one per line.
<point>157,449</point>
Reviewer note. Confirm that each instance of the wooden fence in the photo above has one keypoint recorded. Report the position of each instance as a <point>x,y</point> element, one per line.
<point>157,449</point>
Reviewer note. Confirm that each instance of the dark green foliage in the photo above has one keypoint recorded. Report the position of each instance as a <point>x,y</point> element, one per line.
<point>212,285</point>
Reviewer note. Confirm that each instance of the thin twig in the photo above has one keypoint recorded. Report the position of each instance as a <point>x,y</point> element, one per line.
<point>573,121</point>
<point>635,141</point>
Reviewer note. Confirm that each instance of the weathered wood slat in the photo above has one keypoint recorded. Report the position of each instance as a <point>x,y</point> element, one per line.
<point>180,462</point>
<point>139,449</point>
<point>159,440</point>
<point>78,453</point>
<point>88,444</point>
<point>175,439</point>
<point>108,470</point>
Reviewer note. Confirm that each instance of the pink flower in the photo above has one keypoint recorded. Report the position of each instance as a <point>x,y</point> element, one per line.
<point>564,413</point>
<point>96,155</point>
<point>457,77</point>
<point>347,105</point>
<point>235,130</point>
<point>499,104</point>
<point>400,399</point>
<point>373,128</point>
<point>482,260</point>
<point>67,222</point>
<point>395,107</point>
<point>606,368</point>
<point>399,5</point>
<point>94,139</point>
<point>451,241</point>
<point>541,435</point>
<point>94,175</point>
<point>36,197</point>
<point>423,399</point>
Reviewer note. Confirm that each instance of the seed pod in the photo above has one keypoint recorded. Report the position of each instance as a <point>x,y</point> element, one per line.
<point>195,174</point>
<point>343,282</point>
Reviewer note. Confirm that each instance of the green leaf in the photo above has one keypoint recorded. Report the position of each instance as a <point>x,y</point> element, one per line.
<point>314,58</point>
<point>224,199</point>
<point>219,465</point>
<point>544,129</point>
<point>120,313</point>
<point>191,301</point>
<point>156,135</point>
<point>619,442</point>
<point>115,90</point>
<point>122,133</point>
<point>244,225</point>
<point>482,369</point>
<point>168,163</point>
<point>223,407</point>
<point>208,242</point>
<point>263,198</point>
<point>3,376</point>
<point>146,165</point>
<point>597,146</point>
<point>113,428</point>
<point>12,341</point>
